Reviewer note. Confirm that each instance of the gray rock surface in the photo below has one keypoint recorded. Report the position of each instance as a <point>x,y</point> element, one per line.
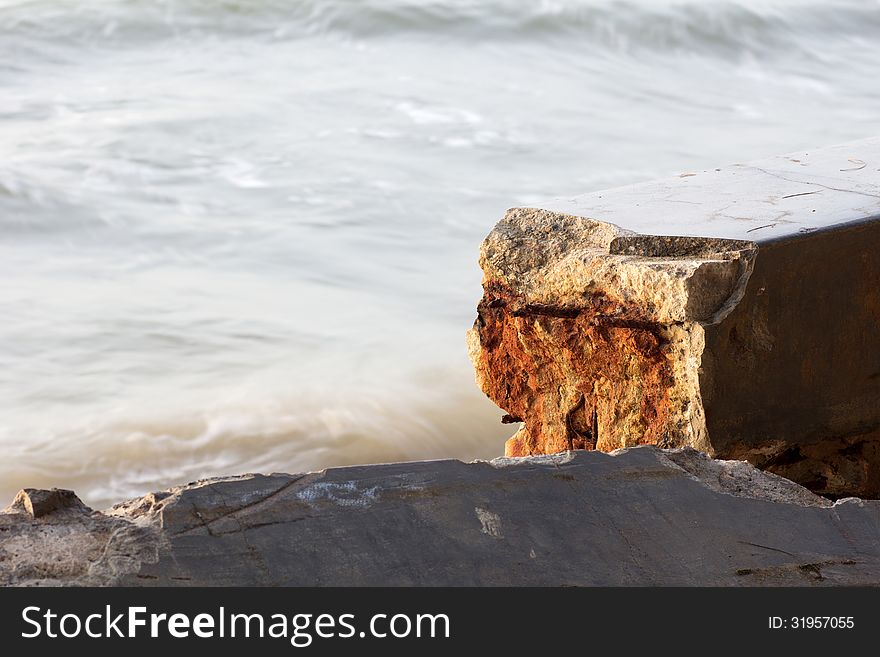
<point>641,516</point>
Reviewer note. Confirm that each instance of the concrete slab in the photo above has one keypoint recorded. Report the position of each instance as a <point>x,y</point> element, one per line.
<point>762,201</point>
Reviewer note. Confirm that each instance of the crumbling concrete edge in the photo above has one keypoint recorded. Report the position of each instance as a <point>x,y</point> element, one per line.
<point>553,279</point>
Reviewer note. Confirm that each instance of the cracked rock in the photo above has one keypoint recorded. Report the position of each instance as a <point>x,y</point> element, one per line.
<point>640,516</point>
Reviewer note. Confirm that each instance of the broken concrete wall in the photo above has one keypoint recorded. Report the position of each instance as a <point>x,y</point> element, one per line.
<point>753,335</point>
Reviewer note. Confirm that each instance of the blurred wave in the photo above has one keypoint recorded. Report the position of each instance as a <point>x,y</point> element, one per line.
<point>243,235</point>
<point>126,454</point>
<point>707,26</point>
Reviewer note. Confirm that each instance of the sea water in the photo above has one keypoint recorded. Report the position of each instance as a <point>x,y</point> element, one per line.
<point>242,236</point>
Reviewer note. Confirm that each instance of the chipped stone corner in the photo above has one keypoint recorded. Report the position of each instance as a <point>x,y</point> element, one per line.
<point>37,502</point>
<point>572,308</point>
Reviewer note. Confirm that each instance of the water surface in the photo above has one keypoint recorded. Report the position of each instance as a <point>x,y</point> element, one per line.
<point>242,236</point>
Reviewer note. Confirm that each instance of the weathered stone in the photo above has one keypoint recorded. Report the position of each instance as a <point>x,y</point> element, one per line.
<point>637,517</point>
<point>736,311</point>
<point>38,502</point>
<point>50,538</point>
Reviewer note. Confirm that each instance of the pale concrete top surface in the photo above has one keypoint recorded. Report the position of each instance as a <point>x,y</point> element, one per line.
<point>761,201</point>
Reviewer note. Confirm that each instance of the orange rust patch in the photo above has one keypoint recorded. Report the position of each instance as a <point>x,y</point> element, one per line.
<point>593,377</point>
